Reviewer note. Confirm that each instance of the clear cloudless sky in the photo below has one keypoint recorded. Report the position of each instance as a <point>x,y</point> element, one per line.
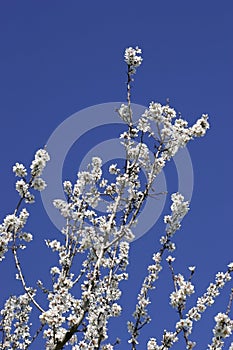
<point>58,57</point>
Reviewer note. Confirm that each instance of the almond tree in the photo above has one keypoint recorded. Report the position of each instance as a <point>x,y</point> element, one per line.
<point>101,243</point>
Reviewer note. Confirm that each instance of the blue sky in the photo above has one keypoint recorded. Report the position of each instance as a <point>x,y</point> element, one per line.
<point>59,57</point>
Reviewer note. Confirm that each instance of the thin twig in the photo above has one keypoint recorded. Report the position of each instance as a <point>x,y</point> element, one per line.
<point>229,303</point>
<point>21,277</point>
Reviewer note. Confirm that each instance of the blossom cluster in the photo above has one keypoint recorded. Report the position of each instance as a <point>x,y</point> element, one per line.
<point>15,322</point>
<point>209,297</point>
<point>223,329</point>
<point>169,338</point>
<point>132,56</point>
<point>11,228</point>
<point>13,224</point>
<point>35,182</point>
<point>183,289</point>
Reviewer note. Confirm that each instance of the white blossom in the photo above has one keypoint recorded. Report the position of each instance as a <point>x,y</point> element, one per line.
<point>22,187</point>
<point>179,209</point>
<point>201,126</point>
<point>39,162</point>
<point>230,266</point>
<point>125,113</point>
<point>152,344</point>
<point>67,187</point>
<point>132,56</point>
<point>116,309</point>
<point>39,184</point>
<point>19,170</point>
<point>113,169</point>
<point>170,259</point>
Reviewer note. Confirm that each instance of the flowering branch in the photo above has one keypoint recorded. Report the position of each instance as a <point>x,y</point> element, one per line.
<point>179,210</point>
